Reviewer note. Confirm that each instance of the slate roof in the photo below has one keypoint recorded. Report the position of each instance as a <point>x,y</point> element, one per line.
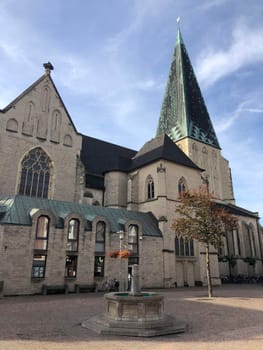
<point>161,147</point>
<point>100,157</point>
<point>16,210</point>
<point>235,210</point>
<point>184,113</point>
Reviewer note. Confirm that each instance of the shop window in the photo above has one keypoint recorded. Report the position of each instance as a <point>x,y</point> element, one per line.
<point>99,266</point>
<point>39,266</point>
<point>71,266</point>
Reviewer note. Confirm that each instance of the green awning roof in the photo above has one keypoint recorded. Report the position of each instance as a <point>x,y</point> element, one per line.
<point>16,211</point>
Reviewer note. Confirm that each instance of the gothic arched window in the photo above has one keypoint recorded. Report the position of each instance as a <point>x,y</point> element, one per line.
<point>247,241</point>
<point>35,174</point>
<point>184,246</point>
<point>182,186</point>
<point>150,187</point>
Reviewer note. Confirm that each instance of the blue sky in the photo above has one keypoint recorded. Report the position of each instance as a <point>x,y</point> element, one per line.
<point>112,57</point>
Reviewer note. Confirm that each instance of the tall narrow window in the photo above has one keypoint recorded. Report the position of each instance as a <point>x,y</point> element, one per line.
<point>72,248</point>
<point>247,241</point>
<point>150,187</point>
<point>133,239</point>
<point>252,240</point>
<point>237,246</point>
<point>100,237</point>
<point>182,186</point>
<point>55,126</point>
<point>45,99</point>
<point>73,235</point>
<point>41,240</point>
<point>40,247</point>
<point>100,249</point>
<point>177,247</point>
<point>35,174</point>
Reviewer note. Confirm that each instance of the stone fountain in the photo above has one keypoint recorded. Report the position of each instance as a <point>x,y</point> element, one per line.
<point>134,313</point>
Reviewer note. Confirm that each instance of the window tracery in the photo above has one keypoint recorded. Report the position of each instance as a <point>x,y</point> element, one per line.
<point>150,187</point>
<point>35,174</point>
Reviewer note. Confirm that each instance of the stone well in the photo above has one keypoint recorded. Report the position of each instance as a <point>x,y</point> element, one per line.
<point>134,313</point>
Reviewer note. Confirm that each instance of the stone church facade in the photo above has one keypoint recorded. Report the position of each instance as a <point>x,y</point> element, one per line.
<point>67,200</point>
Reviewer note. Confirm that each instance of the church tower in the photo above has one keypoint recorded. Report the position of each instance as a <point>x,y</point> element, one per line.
<point>184,117</point>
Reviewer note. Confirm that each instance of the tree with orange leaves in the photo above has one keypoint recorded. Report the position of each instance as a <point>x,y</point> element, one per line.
<point>201,218</point>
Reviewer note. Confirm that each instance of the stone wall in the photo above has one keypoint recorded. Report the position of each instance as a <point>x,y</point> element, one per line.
<point>17,250</point>
<point>38,118</point>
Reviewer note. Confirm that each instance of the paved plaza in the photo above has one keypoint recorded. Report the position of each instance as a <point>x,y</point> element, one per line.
<point>233,319</point>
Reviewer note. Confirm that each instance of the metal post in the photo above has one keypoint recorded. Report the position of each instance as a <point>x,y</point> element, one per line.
<point>121,286</point>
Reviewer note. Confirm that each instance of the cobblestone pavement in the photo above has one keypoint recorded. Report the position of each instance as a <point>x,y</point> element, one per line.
<point>233,319</point>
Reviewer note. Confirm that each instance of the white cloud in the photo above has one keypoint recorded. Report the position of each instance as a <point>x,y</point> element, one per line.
<point>207,5</point>
<point>141,12</point>
<point>246,48</point>
<point>243,109</point>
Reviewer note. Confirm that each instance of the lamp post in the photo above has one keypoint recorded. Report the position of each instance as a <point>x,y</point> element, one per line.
<point>121,286</point>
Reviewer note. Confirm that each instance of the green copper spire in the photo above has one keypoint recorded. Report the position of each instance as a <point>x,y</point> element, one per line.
<point>184,113</point>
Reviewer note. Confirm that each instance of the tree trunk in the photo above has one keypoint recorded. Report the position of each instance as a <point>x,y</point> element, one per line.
<point>208,273</point>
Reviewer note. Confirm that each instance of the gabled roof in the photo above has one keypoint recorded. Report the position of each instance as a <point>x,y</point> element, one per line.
<point>100,156</point>
<point>184,113</point>
<point>30,88</point>
<point>161,147</point>
<point>16,211</point>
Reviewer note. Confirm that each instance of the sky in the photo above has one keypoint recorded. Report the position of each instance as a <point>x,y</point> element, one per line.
<point>111,61</point>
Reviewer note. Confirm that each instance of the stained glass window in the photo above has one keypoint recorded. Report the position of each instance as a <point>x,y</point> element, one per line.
<point>35,174</point>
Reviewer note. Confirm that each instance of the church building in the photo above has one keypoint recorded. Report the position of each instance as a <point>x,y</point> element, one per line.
<point>68,201</point>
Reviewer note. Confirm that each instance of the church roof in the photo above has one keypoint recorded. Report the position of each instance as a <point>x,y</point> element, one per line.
<point>184,113</point>
<point>161,147</point>
<point>100,157</point>
<point>235,210</point>
<point>16,210</point>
